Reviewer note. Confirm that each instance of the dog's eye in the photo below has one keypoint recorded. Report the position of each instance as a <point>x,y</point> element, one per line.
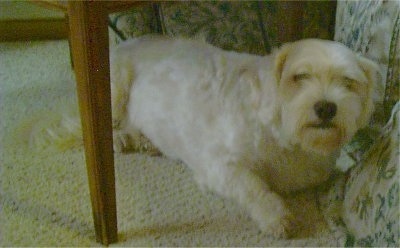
<point>349,83</point>
<point>301,76</point>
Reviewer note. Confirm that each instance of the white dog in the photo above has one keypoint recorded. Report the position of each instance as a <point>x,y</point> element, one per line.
<point>248,126</point>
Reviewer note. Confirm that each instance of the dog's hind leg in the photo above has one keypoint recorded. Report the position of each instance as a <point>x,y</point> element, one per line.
<point>121,76</point>
<point>125,137</point>
<point>125,142</point>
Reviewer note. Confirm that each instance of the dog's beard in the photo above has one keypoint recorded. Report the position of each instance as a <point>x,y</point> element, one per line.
<point>322,140</point>
<point>316,136</point>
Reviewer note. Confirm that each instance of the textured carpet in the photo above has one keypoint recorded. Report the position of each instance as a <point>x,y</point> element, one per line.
<point>44,191</point>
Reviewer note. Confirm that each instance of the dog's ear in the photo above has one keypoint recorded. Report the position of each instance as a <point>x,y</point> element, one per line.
<point>374,76</point>
<point>280,56</point>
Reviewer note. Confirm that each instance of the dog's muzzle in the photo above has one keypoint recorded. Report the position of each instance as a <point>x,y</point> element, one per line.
<point>325,111</point>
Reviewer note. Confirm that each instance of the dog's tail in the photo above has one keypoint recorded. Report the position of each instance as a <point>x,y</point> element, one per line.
<point>59,128</point>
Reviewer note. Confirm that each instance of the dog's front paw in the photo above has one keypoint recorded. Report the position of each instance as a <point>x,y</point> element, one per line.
<point>285,226</point>
<point>275,219</point>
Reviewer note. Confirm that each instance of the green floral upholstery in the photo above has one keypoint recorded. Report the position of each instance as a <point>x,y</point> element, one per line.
<point>371,192</point>
<point>245,26</point>
<point>371,202</point>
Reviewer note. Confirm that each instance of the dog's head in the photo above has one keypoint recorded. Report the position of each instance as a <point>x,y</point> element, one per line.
<point>325,93</point>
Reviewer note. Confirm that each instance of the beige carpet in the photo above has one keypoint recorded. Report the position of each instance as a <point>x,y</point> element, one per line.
<point>44,193</point>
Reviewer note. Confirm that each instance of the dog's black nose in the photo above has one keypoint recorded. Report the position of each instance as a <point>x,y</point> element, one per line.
<point>325,110</point>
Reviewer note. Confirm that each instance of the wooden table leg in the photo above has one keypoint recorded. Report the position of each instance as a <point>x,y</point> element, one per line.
<point>89,42</point>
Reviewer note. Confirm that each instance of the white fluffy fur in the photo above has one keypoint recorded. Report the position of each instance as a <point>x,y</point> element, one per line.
<point>244,124</point>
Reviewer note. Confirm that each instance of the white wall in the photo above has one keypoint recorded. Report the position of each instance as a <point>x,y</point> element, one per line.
<point>22,10</point>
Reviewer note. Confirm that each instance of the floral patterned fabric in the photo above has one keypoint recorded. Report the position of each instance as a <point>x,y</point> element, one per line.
<point>244,26</point>
<point>371,202</point>
<point>371,192</point>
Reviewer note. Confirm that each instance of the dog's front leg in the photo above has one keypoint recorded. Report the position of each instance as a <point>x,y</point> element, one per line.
<point>241,184</point>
